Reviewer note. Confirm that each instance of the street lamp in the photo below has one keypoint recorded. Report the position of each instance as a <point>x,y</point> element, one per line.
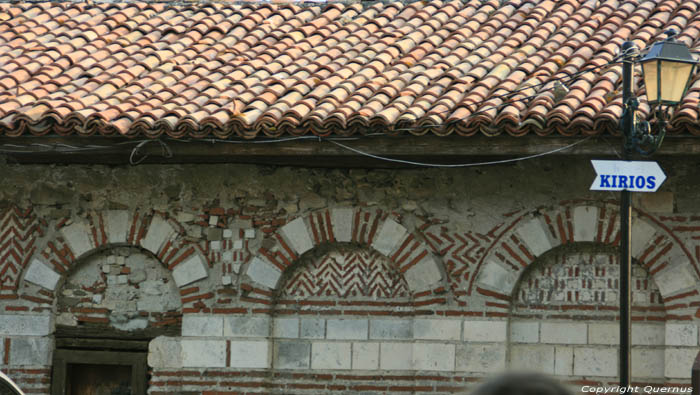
<point>667,69</point>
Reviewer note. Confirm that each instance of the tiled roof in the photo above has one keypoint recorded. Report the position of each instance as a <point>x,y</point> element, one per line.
<point>241,70</point>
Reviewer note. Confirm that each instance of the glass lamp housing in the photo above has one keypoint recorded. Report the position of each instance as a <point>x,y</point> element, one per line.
<point>667,68</point>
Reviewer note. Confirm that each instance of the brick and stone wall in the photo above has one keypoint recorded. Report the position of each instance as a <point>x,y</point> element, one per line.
<point>292,280</point>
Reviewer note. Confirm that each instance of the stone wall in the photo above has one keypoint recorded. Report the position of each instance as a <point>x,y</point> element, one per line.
<point>293,280</point>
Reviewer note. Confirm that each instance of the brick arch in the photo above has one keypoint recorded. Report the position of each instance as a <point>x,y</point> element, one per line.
<point>527,237</point>
<point>149,231</point>
<point>374,229</point>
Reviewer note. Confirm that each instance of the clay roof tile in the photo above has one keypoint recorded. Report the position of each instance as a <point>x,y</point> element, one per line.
<point>439,67</point>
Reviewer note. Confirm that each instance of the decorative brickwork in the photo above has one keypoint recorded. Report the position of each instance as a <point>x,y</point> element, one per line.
<point>373,228</point>
<point>152,232</point>
<point>347,274</point>
<point>526,237</point>
<point>460,252</point>
<point>585,284</point>
<point>336,287</point>
<point>19,230</point>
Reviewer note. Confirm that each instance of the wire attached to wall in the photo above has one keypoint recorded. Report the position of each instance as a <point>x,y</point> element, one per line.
<point>424,164</point>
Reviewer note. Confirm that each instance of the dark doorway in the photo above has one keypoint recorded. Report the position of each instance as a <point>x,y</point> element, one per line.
<point>88,379</point>
<point>105,372</point>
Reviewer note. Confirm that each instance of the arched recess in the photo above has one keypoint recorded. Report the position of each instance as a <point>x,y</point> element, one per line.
<point>373,229</point>
<point>655,247</point>
<point>147,231</point>
<point>348,281</point>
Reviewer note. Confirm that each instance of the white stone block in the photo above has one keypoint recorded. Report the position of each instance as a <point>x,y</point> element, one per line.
<point>642,233</point>
<point>681,334</point>
<point>346,329</point>
<point>390,329</point>
<point>249,233</point>
<point>434,329</point>
<point>396,356</point>
<point>246,326</point>
<point>533,234</point>
<point>198,353</point>
<point>158,232</point>
<point>563,361</point>
<point>648,334</point>
<point>585,223</point>
<point>480,358</point>
<point>679,361</point>
<point>563,333</point>
<point>25,325</point>
<point>213,220</point>
<point>675,278</point>
<point>648,363</point>
<point>40,274</point>
<point>533,357</point>
<point>342,219</point>
<point>433,357</point>
<point>228,233</point>
<point>31,351</point>
<point>164,352</point>
<point>524,332</point>
<point>601,362</point>
<point>78,236</point>
<point>285,328</point>
<point>495,276</point>
<point>292,355</point>
<point>250,354</point>
<point>424,275</point>
<point>485,331</point>
<point>298,235</point>
<point>313,328</point>
<point>604,333</point>
<point>116,224</point>
<point>263,272</point>
<point>238,244</point>
<point>365,356</point>
<point>202,325</point>
<point>331,355</point>
<point>389,237</point>
<point>191,270</point>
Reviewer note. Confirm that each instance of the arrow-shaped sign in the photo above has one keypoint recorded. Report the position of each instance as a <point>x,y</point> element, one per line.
<point>635,176</point>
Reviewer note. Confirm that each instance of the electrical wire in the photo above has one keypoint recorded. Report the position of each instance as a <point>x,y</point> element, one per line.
<point>423,164</point>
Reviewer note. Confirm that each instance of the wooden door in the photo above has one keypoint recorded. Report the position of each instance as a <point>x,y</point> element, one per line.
<point>92,379</point>
<point>81,372</point>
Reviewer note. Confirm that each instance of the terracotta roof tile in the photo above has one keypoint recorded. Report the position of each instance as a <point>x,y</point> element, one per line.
<point>273,69</point>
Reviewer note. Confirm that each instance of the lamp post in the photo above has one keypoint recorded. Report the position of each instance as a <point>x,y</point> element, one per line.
<point>667,69</point>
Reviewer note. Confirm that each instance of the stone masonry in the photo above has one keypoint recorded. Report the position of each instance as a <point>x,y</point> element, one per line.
<point>305,281</point>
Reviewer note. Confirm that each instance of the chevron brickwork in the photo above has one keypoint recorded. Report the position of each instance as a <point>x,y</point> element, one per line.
<point>348,274</point>
<point>19,230</point>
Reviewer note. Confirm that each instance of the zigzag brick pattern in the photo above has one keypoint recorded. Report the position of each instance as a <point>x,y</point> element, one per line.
<point>18,232</point>
<point>348,274</point>
<point>460,252</point>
